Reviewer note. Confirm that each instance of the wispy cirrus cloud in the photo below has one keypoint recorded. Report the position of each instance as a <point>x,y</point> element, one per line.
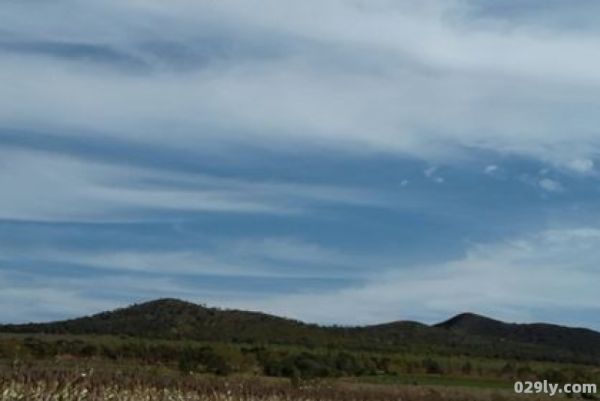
<point>529,278</point>
<point>249,257</point>
<point>49,187</point>
<point>194,149</point>
<point>229,70</point>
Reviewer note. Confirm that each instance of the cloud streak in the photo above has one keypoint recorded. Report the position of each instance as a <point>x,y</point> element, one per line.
<point>226,142</point>
<point>514,281</point>
<point>48,187</point>
<point>522,280</point>
<point>528,91</point>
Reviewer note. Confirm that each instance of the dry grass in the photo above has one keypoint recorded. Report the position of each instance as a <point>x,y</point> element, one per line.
<point>68,386</point>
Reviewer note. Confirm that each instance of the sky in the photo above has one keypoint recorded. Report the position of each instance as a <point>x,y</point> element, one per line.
<point>334,161</point>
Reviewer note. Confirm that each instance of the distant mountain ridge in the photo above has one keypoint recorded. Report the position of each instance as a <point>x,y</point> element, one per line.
<point>466,333</point>
<point>580,339</point>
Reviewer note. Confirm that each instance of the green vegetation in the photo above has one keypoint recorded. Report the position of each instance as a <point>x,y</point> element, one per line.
<point>174,339</point>
<point>297,363</point>
<point>466,334</point>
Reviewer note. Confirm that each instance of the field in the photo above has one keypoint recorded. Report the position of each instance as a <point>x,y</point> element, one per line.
<point>40,368</point>
<point>70,385</point>
<point>173,350</point>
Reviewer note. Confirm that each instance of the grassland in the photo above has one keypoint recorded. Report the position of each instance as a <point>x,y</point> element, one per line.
<point>68,368</point>
<point>79,384</point>
<point>172,350</point>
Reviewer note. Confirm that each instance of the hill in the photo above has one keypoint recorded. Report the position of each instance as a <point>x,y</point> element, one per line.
<point>174,319</point>
<point>575,339</point>
<point>464,334</point>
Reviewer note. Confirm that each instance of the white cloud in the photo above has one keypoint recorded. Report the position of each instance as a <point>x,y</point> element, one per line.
<point>517,280</point>
<point>430,171</point>
<point>49,187</point>
<point>582,166</point>
<point>44,298</point>
<point>462,85</point>
<point>514,281</point>
<point>288,250</point>
<point>550,185</point>
<point>414,79</point>
<point>491,169</point>
<point>36,301</point>
<point>258,257</point>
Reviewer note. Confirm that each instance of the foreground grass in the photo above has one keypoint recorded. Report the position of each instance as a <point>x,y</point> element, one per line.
<point>435,380</point>
<point>61,385</point>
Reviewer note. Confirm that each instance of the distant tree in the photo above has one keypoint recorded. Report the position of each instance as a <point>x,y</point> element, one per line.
<point>507,369</point>
<point>466,368</point>
<point>553,376</point>
<point>431,366</point>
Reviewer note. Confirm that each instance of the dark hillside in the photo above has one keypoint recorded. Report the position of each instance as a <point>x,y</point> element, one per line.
<point>465,334</point>
<point>178,320</point>
<point>547,335</point>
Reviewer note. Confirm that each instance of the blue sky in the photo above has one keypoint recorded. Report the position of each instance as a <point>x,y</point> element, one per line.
<point>336,161</point>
